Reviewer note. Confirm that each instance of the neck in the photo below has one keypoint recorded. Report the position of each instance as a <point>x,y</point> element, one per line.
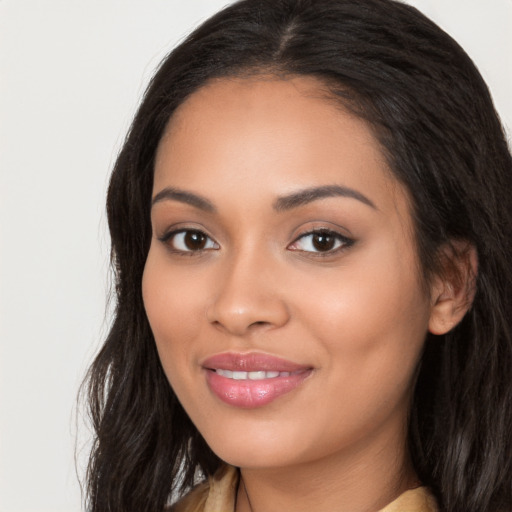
<point>364,480</point>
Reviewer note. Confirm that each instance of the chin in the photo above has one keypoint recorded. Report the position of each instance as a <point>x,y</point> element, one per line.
<point>255,457</point>
<point>259,445</point>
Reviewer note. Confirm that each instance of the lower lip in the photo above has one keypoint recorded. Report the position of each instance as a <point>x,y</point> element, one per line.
<point>250,394</point>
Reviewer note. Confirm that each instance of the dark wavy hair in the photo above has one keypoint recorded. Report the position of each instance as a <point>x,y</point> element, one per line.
<point>434,118</point>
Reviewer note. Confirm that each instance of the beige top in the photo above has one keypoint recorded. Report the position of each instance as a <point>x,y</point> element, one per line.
<point>219,492</point>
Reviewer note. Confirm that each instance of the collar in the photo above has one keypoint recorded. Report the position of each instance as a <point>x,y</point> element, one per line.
<point>218,494</point>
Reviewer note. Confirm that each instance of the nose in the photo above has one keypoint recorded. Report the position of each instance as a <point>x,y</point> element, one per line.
<point>248,297</point>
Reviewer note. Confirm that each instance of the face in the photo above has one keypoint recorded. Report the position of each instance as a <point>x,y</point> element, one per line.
<point>282,282</point>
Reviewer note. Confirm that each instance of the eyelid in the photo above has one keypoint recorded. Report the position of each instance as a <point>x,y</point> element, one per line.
<point>342,241</point>
<point>345,241</point>
<point>171,234</point>
<point>170,229</point>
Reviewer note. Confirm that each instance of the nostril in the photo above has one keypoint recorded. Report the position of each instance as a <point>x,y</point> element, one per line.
<point>260,323</point>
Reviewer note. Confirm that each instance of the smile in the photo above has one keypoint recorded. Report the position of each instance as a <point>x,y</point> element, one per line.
<point>252,380</point>
<point>257,375</point>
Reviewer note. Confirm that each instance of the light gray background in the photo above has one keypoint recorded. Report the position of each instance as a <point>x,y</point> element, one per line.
<point>71,75</point>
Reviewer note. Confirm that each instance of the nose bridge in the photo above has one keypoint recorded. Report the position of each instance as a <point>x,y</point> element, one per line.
<point>247,293</point>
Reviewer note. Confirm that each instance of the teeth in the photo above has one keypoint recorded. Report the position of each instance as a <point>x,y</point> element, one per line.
<point>258,375</point>
<point>225,373</point>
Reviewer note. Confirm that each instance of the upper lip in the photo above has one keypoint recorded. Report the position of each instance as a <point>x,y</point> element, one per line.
<point>251,362</point>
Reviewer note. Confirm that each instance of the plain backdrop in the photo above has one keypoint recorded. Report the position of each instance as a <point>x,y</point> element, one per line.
<point>71,75</point>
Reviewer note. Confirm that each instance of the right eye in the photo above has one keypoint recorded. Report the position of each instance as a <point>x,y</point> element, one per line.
<point>189,241</point>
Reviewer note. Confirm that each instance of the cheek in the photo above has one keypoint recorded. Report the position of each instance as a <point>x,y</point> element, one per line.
<point>372,338</point>
<point>173,307</point>
<point>372,322</point>
<point>172,304</point>
<point>370,306</point>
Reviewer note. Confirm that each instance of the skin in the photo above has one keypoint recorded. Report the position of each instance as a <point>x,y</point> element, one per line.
<point>357,315</point>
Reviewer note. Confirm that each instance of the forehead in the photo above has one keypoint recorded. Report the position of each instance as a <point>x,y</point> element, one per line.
<point>266,135</point>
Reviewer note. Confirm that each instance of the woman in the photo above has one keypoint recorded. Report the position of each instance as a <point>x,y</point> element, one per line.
<point>311,226</point>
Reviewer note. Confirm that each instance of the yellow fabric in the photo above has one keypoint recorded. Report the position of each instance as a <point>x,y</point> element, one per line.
<point>219,493</point>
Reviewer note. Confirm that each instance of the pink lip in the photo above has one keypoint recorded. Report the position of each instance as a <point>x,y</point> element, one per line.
<point>246,393</point>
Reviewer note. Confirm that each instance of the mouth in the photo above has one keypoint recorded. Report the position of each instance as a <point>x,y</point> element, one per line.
<point>252,380</point>
<point>255,375</point>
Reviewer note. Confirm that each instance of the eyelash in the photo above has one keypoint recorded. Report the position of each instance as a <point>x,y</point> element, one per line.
<point>171,236</point>
<point>342,242</point>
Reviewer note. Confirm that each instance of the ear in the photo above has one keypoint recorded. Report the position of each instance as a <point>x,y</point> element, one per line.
<point>453,289</point>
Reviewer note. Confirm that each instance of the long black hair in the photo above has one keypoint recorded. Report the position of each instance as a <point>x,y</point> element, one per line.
<point>434,118</point>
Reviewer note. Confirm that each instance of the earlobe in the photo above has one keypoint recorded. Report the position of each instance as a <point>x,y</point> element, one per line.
<point>453,289</point>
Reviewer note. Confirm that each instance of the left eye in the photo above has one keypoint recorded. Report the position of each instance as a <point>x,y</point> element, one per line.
<point>320,241</point>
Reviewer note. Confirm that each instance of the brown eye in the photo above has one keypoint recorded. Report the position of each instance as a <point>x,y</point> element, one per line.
<point>323,241</point>
<point>189,240</point>
<point>195,240</point>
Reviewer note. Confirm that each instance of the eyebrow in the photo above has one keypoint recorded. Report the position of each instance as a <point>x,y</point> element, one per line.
<point>309,195</point>
<point>283,203</point>
<point>182,196</point>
